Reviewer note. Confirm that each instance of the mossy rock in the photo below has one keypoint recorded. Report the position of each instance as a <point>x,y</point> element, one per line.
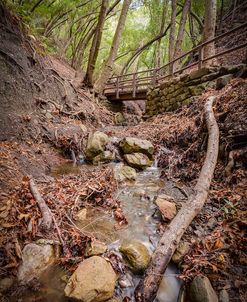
<point>103,157</point>
<point>196,90</point>
<point>96,144</point>
<point>136,254</point>
<point>201,290</point>
<point>133,145</point>
<point>200,73</point>
<point>138,160</point>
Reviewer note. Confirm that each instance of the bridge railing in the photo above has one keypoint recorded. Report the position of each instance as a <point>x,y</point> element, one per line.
<point>133,83</point>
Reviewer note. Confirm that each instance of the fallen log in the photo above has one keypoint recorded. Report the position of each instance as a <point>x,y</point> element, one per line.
<point>147,288</point>
<point>47,219</point>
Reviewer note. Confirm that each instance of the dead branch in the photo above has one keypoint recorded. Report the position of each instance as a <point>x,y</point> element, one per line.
<point>45,211</point>
<point>147,288</point>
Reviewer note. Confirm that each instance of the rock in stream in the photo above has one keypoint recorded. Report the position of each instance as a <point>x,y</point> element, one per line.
<point>136,254</point>
<point>93,281</point>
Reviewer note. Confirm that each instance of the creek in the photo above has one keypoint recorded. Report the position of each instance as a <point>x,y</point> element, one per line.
<point>136,200</point>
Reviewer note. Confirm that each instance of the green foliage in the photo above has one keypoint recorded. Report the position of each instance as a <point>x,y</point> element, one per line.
<point>63,27</point>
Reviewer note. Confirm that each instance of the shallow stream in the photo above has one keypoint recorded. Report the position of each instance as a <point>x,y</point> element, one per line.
<point>137,203</point>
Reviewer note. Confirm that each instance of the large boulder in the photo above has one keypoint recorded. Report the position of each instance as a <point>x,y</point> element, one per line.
<point>201,290</point>
<point>96,144</point>
<point>166,206</point>
<point>138,160</point>
<point>123,172</point>
<point>133,145</point>
<point>93,281</point>
<point>36,258</point>
<point>136,254</point>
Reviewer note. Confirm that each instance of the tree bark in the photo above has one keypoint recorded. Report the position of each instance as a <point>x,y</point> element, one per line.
<point>83,43</point>
<point>107,68</point>
<point>47,221</point>
<point>172,30</point>
<point>181,30</point>
<point>94,51</point>
<point>143,47</point>
<point>158,54</point>
<point>147,288</point>
<point>209,30</point>
<point>36,5</point>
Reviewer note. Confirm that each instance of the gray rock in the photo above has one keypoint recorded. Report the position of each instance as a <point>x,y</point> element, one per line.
<point>119,118</point>
<point>123,172</point>
<point>132,145</point>
<point>93,281</point>
<point>199,73</point>
<point>223,81</point>
<point>35,260</point>
<point>138,160</point>
<point>201,290</point>
<point>103,157</point>
<point>96,144</point>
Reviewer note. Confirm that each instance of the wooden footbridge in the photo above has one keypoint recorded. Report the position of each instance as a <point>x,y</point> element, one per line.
<point>134,86</point>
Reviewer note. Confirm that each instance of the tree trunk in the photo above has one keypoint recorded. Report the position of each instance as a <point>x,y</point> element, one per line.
<point>180,36</point>
<point>209,30</point>
<point>221,13</point>
<point>94,51</point>
<point>143,47</point>
<point>83,43</point>
<point>172,31</point>
<point>36,5</point>
<point>158,54</point>
<point>147,288</point>
<point>107,68</point>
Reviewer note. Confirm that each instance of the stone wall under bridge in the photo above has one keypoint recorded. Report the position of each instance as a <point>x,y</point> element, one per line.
<point>181,90</point>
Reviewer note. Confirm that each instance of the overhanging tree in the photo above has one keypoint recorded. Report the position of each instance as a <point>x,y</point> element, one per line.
<point>107,68</point>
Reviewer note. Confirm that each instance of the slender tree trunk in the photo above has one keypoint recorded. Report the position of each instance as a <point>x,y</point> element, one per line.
<point>181,30</point>
<point>148,287</point>
<point>80,49</point>
<point>107,68</point>
<point>234,9</point>
<point>146,45</point>
<point>158,57</point>
<point>209,30</point>
<point>36,5</point>
<point>94,51</point>
<point>221,13</point>
<point>172,30</point>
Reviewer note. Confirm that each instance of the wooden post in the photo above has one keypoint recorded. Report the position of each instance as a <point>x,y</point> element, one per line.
<point>200,57</point>
<point>154,77</point>
<point>117,92</point>
<point>134,85</point>
<point>171,67</point>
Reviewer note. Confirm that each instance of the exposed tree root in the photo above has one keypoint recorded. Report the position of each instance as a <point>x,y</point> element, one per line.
<point>147,288</point>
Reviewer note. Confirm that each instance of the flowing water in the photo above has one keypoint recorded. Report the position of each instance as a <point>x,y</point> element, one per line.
<point>137,204</point>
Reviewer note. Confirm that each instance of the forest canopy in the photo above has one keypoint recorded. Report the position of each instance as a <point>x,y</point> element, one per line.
<point>69,28</point>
